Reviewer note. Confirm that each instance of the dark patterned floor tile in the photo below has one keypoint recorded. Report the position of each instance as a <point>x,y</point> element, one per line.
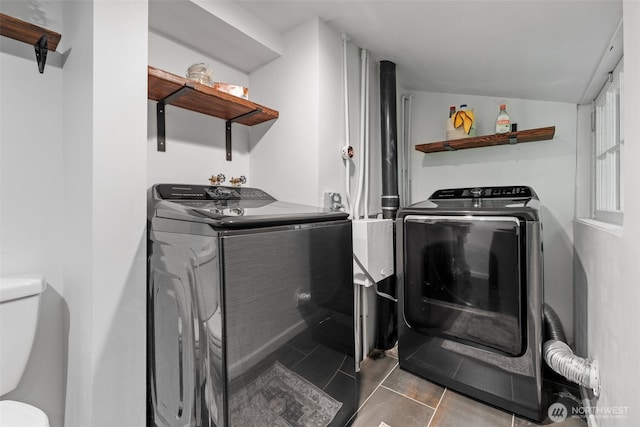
<point>456,410</point>
<point>414,387</point>
<point>390,409</point>
<point>372,373</point>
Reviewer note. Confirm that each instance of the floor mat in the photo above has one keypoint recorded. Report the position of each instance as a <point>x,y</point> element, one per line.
<point>281,398</point>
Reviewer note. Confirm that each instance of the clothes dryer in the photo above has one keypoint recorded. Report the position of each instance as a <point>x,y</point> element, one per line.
<point>471,292</point>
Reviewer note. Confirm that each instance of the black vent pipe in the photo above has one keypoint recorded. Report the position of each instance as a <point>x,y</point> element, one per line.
<point>387,311</point>
<point>389,132</point>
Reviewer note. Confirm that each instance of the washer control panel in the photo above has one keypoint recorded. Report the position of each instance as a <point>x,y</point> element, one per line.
<point>210,192</point>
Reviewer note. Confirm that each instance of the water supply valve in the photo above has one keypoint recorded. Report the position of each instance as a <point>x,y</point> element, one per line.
<point>333,201</point>
<point>237,182</point>
<point>217,179</point>
<point>347,152</point>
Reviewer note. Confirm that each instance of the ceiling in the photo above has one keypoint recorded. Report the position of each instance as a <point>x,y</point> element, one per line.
<point>531,49</point>
<point>551,50</point>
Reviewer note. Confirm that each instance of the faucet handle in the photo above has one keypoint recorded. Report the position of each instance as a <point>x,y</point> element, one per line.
<point>238,181</point>
<point>217,179</point>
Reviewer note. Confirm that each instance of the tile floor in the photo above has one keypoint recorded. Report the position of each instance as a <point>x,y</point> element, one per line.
<point>391,397</point>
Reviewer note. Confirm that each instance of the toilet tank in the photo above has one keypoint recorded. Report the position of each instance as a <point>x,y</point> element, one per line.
<point>19,307</point>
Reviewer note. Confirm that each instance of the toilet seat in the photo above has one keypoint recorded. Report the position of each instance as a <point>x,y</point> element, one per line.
<point>18,414</point>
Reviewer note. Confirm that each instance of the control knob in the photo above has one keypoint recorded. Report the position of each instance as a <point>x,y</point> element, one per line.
<point>476,192</point>
<point>221,193</point>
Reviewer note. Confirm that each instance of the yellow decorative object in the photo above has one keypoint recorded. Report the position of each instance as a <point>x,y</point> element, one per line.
<point>464,118</point>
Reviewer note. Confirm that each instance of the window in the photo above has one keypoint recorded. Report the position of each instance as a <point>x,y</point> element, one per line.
<point>608,154</point>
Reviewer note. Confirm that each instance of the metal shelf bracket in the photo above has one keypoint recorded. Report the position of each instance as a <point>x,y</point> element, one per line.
<point>160,108</point>
<point>187,88</point>
<point>41,52</point>
<point>228,129</point>
<point>448,147</point>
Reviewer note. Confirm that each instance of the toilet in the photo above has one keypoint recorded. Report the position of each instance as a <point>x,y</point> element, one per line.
<point>19,307</point>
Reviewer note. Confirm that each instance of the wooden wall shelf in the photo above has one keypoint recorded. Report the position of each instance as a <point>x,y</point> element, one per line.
<point>530,135</point>
<point>26,32</point>
<point>204,99</point>
<point>41,39</point>
<point>170,89</point>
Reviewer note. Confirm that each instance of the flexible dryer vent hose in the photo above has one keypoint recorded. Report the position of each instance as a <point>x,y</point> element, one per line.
<point>561,358</point>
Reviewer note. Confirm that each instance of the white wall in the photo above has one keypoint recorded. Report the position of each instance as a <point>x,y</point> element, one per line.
<point>284,152</point>
<point>606,261</point>
<point>331,118</point>
<point>118,319</point>
<point>77,198</point>
<point>547,166</point>
<point>297,158</point>
<point>104,120</point>
<point>332,168</point>
<point>31,212</point>
<point>195,142</point>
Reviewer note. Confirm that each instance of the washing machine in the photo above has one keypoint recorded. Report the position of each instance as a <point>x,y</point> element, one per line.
<point>471,292</point>
<point>250,310</point>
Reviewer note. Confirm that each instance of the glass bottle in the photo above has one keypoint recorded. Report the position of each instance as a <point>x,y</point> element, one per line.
<point>503,122</point>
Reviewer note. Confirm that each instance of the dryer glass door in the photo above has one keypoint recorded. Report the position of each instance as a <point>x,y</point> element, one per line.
<point>463,280</point>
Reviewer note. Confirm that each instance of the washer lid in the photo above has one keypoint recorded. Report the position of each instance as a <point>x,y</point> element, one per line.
<point>18,414</point>
<point>231,207</point>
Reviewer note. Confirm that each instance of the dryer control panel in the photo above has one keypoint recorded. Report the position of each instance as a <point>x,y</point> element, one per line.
<point>514,192</point>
